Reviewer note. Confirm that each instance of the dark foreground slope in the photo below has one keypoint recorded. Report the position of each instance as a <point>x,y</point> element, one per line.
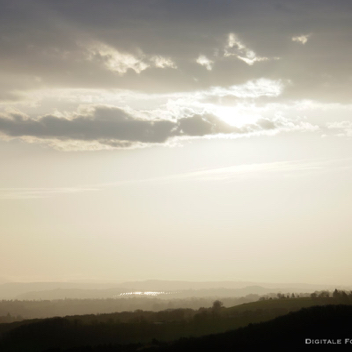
<point>332,323</point>
<point>328,327</point>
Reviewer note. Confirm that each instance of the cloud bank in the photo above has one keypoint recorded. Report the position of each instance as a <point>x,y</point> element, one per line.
<point>190,69</point>
<point>115,127</point>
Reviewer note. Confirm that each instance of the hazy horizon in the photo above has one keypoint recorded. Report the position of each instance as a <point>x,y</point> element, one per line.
<point>167,140</point>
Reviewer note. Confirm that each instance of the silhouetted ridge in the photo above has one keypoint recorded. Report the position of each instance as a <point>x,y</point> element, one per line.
<point>288,332</point>
<point>87,333</point>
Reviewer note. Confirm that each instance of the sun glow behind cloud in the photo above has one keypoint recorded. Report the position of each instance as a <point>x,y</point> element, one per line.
<point>133,116</point>
<point>235,116</point>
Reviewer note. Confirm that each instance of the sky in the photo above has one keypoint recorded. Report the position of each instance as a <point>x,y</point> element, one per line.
<point>181,140</point>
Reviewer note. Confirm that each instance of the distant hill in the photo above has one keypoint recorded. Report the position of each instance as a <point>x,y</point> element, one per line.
<point>165,285</point>
<point>3,280</point>
<point>35,290</point>
<point>71,293</point>
<point>11,290</point>
<point>76,293</point>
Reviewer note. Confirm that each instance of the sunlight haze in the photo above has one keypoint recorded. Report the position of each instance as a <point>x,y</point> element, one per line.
<point>176,140</point>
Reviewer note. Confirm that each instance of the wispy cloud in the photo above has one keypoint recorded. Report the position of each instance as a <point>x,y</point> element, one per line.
<point>257,170</point>
<point>32,192</point>
<point>235,47</point>
<point>121,62</point>
<point>302,39</point>
<point>204,61</point>
<point>228,173</point>
<point>343,128</point>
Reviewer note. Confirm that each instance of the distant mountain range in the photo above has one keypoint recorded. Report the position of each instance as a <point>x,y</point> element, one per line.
<point>172,289</point>
<point>165,285</point>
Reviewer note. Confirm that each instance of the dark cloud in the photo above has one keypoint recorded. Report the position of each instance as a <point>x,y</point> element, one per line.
<point>48,39</point>
<point>198,125</point>
<point>266,124</point>
<point>114,127</point>
<point>100,126</point>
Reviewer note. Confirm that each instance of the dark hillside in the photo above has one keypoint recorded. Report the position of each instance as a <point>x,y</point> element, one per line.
<point>331,323</point>
<point>145,328</point>
<point>314,328</point>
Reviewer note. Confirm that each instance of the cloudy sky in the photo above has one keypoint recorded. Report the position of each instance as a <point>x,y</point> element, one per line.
<point>163,139</point>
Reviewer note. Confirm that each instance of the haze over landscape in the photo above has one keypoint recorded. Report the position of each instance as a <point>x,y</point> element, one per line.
<point>198,141</point>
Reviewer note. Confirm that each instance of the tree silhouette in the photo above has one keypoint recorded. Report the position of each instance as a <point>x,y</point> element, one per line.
<point>217,305</point>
